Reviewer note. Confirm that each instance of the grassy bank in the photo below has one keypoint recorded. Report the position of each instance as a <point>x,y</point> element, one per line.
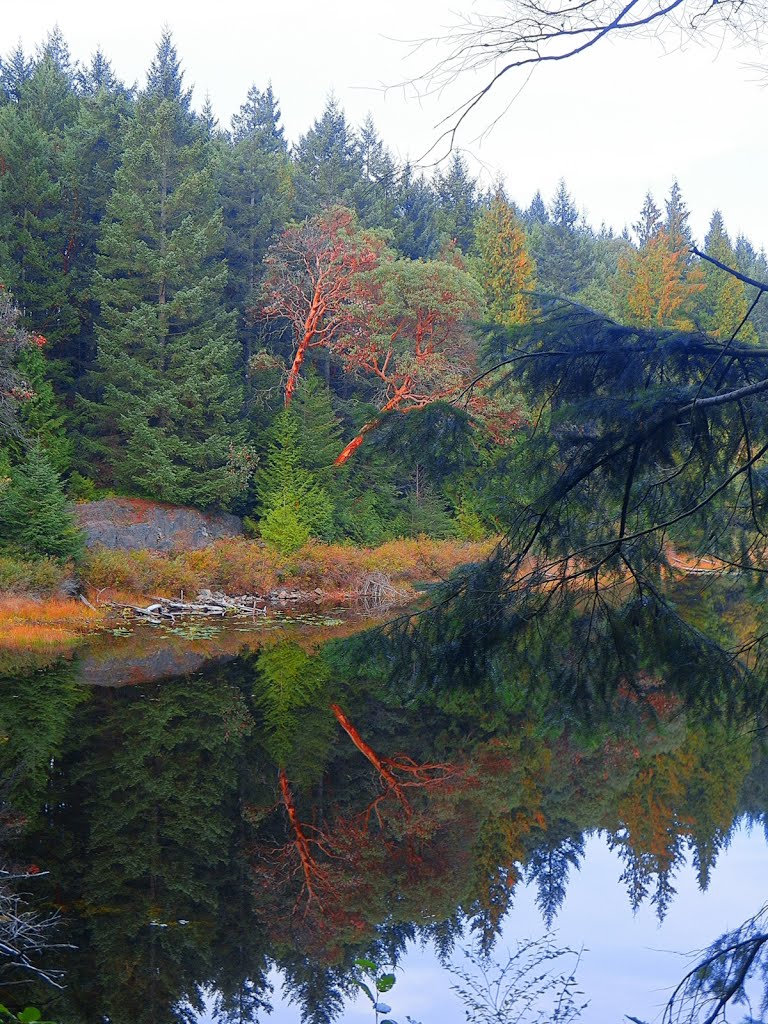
<point>33,614</point>
<point>238,566</point>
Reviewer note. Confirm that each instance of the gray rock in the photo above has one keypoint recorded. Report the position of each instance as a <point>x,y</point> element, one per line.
<point>130,524</point>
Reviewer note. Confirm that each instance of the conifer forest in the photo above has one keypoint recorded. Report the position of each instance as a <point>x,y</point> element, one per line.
<point>375,545</point>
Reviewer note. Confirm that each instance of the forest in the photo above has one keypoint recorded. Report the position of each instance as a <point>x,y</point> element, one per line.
<point>315,338</point>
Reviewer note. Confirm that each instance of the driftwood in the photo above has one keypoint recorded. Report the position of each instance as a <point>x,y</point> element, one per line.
<point>207,604</point>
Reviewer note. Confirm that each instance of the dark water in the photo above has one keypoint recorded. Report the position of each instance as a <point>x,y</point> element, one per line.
<point>217,815</point>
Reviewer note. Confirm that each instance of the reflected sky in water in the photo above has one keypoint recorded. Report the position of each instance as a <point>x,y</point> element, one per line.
<point>630,962</point>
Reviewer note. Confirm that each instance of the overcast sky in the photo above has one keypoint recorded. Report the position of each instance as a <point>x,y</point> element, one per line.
<point>614,123</point>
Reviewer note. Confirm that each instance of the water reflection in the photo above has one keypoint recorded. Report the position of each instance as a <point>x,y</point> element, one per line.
<point>292,808</point>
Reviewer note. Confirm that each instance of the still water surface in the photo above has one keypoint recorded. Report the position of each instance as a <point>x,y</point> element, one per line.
<point>219,814</point>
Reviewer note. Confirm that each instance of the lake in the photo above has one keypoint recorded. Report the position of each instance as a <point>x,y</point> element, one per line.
<point>226,819</point>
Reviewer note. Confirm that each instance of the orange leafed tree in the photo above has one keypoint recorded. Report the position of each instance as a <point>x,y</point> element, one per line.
<point>415,341</point>
<point>655,285</point>
<point>316,274</point>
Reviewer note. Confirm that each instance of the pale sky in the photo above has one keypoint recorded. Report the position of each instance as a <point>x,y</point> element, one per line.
<point>613,123</point>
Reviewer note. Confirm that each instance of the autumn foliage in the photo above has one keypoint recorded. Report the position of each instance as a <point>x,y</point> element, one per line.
<point>314,275</point>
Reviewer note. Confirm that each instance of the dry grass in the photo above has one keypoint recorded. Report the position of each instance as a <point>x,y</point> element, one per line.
<point>29,624</point>
<point>239,566</point>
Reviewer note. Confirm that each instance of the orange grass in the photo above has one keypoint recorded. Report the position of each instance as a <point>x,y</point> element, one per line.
<point>239,566</point>
<point>26,623</point>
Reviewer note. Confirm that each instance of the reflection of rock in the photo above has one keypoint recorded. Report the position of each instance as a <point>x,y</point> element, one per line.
<point>131,524</point>
<point>163,661</point>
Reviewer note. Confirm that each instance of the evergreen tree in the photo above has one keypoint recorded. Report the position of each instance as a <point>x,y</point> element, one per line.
<point>561,248</point>
<point>293,506</point>
<point>327,164</point>
<point>377,190</point>
<point>42,416</point>
<point>35,517</point>
<point>257,193</point>
<point>15,71</point>
<point>416,229</point>
<point>506,271</point>
<point>724,299</point>
<point>537,212</point>
<point>676,219</point>
<point>654,284</point>
<point>650,222</point>
<point>458,200</point>
<point>33,234</point>
<point>168,391</point>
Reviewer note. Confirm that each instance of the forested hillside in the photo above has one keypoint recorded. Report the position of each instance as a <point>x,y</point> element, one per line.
<point>210,317</point>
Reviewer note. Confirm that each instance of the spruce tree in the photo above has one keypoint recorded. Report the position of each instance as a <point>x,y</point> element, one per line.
<point>35,517</point>
<point>167,389</point>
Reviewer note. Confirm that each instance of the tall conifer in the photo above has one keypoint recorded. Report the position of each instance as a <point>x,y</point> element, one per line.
<point>166,380</point>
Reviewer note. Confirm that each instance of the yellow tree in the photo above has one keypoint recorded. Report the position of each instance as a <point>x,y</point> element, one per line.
<point>506,270</point>
<point>655,285</point>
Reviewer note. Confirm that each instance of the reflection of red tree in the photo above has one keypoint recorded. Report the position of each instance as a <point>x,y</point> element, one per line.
<point>391,768</point>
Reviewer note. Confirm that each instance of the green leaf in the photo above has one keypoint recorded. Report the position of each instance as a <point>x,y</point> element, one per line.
<point>364,987</point>
<point>385,982</point>
<point>30,1015</point>
<point>369,965</point>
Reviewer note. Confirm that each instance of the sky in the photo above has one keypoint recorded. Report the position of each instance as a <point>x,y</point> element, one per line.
<point>615,123</point>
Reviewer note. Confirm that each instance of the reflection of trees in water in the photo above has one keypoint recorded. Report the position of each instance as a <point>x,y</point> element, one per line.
<point>186,801</point>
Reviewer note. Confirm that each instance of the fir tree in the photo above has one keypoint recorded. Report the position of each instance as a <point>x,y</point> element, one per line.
<point>166,380</point>
<point>457,196</point>
<point>257,192</point>
<point>561,249</point>
<point>35,517</point>
<point>293,505</point>
<point>676,219</point>
<point>416,228</point>
<point>327,167</point>
<point>724,298</point>
<point>649,223</point>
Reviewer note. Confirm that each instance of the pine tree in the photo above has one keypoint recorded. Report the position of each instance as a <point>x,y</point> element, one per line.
<point>35,517</point>
<point>506,271</point>
<point>168,391</point>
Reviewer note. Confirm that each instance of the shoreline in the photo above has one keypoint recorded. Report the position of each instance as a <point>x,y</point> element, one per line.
<point>315,577</point>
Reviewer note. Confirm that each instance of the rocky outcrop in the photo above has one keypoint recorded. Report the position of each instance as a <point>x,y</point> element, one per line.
<point>130,524</point>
